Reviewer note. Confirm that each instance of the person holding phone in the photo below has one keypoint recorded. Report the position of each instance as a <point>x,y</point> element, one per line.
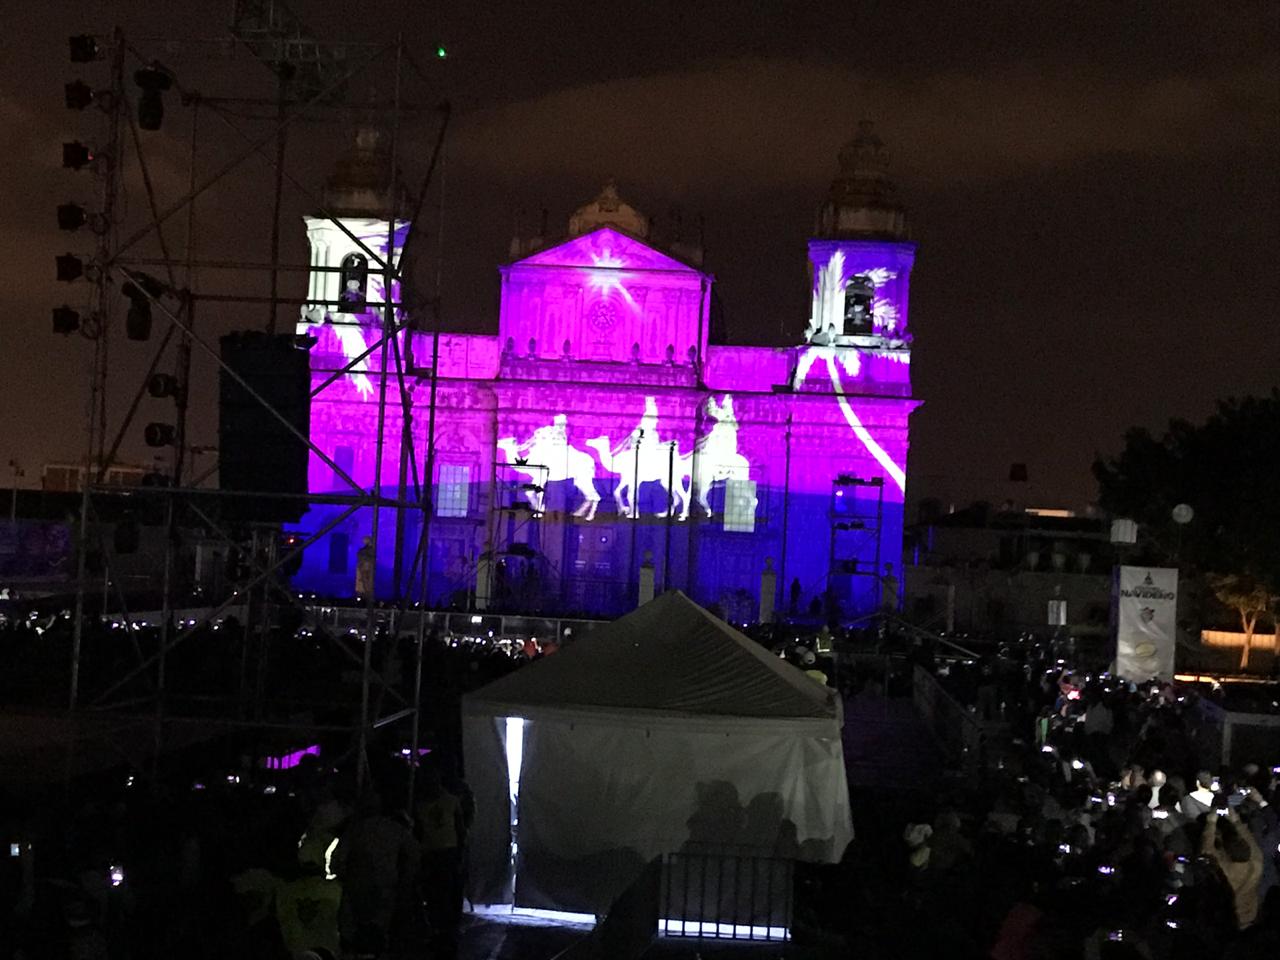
<point>1228,842</point>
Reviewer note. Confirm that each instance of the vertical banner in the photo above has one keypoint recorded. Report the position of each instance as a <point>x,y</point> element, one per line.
<point>1147,606</point>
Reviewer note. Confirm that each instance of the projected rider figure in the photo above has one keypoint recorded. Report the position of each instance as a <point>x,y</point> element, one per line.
<point>716,455</point>
<point>644,458</point>
<point>548,457</point>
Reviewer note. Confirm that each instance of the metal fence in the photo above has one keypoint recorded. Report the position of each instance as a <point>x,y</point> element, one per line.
<point>722,896</point>
<point>958,732</point>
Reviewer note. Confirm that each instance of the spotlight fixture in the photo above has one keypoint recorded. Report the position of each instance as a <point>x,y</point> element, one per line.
<point>162,385</point>
<point>76,156</point>
<point>153,81</point>
<point>137,322</point>
<point>65,320</point>
<point>159,434</point>
<point>70,268</point>
<point>84,49</point>
<point>78,95</point>
<point>71,216</point>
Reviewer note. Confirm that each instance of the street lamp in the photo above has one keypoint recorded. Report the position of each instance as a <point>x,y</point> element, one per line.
<point>18,472</point>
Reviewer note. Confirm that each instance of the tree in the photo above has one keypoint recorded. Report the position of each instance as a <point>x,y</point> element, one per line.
<point>1250,598</point>
<point>1226,469</point>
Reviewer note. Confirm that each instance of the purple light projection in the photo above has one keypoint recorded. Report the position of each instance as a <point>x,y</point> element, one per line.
<point>599,430</point>
<point>290,760</point>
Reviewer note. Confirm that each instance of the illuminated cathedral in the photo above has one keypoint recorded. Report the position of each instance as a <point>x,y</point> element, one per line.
<point>599,447</point>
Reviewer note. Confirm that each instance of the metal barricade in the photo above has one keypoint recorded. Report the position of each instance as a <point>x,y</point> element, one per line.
<point>714,895</point>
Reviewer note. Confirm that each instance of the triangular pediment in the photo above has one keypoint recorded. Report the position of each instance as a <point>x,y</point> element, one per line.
<point>606,247</point>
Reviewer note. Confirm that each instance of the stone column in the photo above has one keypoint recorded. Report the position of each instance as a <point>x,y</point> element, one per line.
<point>482,581</point>
<point>646,578</point>
<point>768,591</point>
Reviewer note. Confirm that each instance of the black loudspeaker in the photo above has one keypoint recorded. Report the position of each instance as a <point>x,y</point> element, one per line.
<point>256,452</point>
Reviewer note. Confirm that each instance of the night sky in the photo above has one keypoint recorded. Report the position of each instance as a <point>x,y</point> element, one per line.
<point>1093,188</point>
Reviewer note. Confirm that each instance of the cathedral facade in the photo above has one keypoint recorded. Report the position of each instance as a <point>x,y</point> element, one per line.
<point>599,447</point>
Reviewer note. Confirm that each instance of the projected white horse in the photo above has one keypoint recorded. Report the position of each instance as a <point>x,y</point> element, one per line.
<point>716,455</point>
<point>547,457</point>
<point>644,458</point>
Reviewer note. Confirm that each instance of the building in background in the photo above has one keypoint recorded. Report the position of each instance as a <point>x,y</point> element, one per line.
<point>70,477</point>
<point>600,434</point>
<point>1009,570</point>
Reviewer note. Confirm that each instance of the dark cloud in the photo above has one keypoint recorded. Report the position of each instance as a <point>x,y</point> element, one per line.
<point>763,124</point>
<point>1092,186</point>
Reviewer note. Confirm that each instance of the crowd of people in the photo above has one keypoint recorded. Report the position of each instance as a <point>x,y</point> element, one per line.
<point>1097,828</point>
<point>265,866</point>
<point>224,857</point>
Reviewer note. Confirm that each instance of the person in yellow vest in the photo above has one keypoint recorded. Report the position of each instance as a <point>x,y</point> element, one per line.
<point>375,860</point>
<point>307,912</point>
<point>439,823</point>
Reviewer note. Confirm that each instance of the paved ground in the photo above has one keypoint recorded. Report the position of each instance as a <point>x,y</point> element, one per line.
<point>888,747</point>
<point>489,939</point>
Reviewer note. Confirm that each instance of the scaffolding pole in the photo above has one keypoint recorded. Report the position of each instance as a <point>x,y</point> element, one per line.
<point>320,93</point>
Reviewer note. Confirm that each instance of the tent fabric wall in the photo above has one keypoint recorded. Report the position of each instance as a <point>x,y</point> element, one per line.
<point>667,730</point>
<point>484,750</point>
<point>602,799</point>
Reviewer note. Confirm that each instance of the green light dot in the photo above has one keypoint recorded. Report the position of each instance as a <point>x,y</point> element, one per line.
<point>441,53</point>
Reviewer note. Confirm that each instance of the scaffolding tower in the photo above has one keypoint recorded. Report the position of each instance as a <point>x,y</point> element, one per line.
<point>312,81</point>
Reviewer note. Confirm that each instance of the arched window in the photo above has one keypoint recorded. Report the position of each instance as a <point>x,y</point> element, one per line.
<point>354,277</point>
<point>858,298</point>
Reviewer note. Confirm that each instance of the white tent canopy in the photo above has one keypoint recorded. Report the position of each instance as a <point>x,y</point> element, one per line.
<point>666,731</point>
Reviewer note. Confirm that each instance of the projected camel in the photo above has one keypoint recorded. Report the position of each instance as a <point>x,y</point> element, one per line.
<point>644,458</point>
<point>716,455</point>
<point>547,457</point>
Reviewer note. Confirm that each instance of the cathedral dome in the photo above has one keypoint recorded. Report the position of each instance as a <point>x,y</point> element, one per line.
<point>608,210</point>
<point>862,202</point>
<point>361,181</point>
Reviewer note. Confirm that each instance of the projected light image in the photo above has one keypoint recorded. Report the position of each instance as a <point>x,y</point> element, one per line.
<point>600,401</point>
<point>641,457</point>
<point>349,286</point>
<point>841,296</point>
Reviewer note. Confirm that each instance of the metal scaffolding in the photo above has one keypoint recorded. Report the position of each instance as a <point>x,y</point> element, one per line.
<point>312,82</point>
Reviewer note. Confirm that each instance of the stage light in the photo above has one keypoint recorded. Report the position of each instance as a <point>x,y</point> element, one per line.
<point>71,216</point>
<point>65,320</point>
<point>153,82</point>
<point>162,385</point>
<point>76,156</point>
<point>70,268</point>
<point>84,49</point>
<point>78,95</point>
<point>137,323</point>
<point>159,434</point>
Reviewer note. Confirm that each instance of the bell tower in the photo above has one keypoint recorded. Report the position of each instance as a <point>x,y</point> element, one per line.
<point>359,204</point>
<point>861,255</point>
